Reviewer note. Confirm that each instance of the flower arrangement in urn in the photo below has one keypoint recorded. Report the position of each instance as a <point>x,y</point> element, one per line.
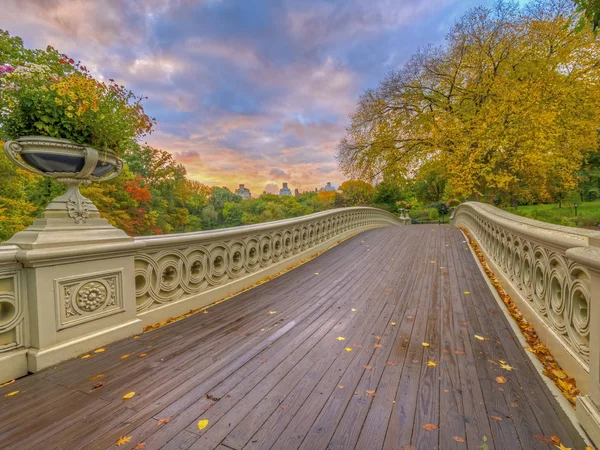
<point>59,121</point>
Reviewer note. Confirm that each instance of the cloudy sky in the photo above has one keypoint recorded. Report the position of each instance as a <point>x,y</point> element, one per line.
<point>245,91</point>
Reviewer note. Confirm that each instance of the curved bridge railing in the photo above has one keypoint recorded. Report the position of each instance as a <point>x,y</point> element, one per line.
<point>552,274</point>
<point>173,271</point>
<point>59,299</point>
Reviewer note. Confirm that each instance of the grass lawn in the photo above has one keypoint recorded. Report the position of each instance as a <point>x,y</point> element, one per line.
<point>588,214</point>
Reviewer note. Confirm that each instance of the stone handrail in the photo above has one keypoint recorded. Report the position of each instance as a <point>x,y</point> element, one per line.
<point>176,273</point>
<point>59,299</point>
<point>552,274</point>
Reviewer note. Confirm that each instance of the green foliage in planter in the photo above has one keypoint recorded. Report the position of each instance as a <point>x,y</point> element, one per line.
<point>59,98</point>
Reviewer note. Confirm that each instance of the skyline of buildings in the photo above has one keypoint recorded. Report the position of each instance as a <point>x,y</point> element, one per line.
<point>285,190</point>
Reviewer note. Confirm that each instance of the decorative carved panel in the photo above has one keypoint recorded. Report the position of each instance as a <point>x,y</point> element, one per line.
<point>88,297</point>
<point>12,315</point>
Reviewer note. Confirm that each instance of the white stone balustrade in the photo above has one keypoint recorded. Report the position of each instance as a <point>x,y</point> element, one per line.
<point>552,274</point>
<point>60,300</point>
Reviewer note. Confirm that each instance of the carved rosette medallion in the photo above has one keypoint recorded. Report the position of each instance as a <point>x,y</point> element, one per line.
<point>91,296</point>
<point>86,298</point>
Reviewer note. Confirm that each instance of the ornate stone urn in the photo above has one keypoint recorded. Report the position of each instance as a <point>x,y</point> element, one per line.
<point>72,165</point>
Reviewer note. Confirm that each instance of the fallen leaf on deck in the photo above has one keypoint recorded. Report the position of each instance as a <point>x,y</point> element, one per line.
<point>432,262</point>
<point>95,377</point>
<point>272,312</point>
<point>425,344</point>
<point>353,309</point>
<point>140,446</point>
<point>125,356</point>
<point>467,292</point>
<point>393,324</point>
<point>496,418</point>
<point>123,440</point>
<point>137,337</point>
<point>202,424</point>
<point>205,312</point>
<point>562,447</point>
<point>378,346</point>
<point>141,355</point>
<point>99,350</point>
<point>85,356</point>
<point>550,440</point>
<point>458,439</point>
<point>367,367</point>
<point>506,367</point>
<point>559,374</point>
<point>348,349</point>
<point>458,352</point>
<point>341,387</point>
<point>514,404</point>
<point>500,380</point>
<point>340,338</point>
<point>97,385</point>
<point>164,420</point>
<point>7,383</point>
<point>128,396</point>
<point>430,426</point>
<point>370,392</point>
<point>481,338</point>
<point>431,363</point>
<point>378,338</point>
<point>316,273</point>
<point>10,394</point>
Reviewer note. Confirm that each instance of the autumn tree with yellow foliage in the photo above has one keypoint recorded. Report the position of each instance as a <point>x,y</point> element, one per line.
<point>509,107</point>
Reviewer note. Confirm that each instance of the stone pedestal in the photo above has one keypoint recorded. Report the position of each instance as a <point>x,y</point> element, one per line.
<point>79,277</point>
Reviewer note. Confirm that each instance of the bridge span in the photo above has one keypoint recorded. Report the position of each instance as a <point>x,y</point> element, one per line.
<point>391,339</point>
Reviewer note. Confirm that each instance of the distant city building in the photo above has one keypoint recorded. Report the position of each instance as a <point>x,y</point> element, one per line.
<point>296,192</point>
<point>285,190</point>
<point>328,188</point>
<point>243,192</point>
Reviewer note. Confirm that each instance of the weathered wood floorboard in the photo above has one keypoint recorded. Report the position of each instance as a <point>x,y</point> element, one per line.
<point>407,301</point>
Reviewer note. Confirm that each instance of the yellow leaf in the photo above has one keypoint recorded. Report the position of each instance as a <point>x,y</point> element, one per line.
<point>481,338</point>
<point>141,355</point>
<point>370,392</point>
<point>7,383</point>
<point>506,367</point>
<point>85,356</point>
<point>95,377</point>
<point>340,338</point>
<point>125,356</point>
<point>136,337</point>
<point>341,387</point>
<point>497,418</point>
<point>99,350</point>
<point>205,312</point>
<point>432,363</point>
<point>500,380</point>
<point>348,349</point>
<point>432,262</point>
<point>562,447</point>
<point>353,309</point>
<point>316,273</point>
<point>123,440</point>
<point>467,292</point>
<point>202,424</point>
<point>128,396</point>
<point>272,312</point>
<point>393,324</point>
<point>425,344</point>
<point>10,394</point>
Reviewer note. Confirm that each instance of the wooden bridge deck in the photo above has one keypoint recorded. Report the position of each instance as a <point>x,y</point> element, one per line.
<point>268,369</point>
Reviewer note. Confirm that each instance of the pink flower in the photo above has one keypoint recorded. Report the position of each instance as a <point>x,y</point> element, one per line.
<point>6,68</point>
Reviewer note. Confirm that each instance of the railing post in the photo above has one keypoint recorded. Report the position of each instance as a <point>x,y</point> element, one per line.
<point>588,406</point>
<point>79,278</point>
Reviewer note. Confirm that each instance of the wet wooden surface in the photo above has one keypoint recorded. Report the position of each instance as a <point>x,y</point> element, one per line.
<point>269,368</point>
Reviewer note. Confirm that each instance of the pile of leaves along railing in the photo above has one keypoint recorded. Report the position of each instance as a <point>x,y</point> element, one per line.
<point>552,369</point>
